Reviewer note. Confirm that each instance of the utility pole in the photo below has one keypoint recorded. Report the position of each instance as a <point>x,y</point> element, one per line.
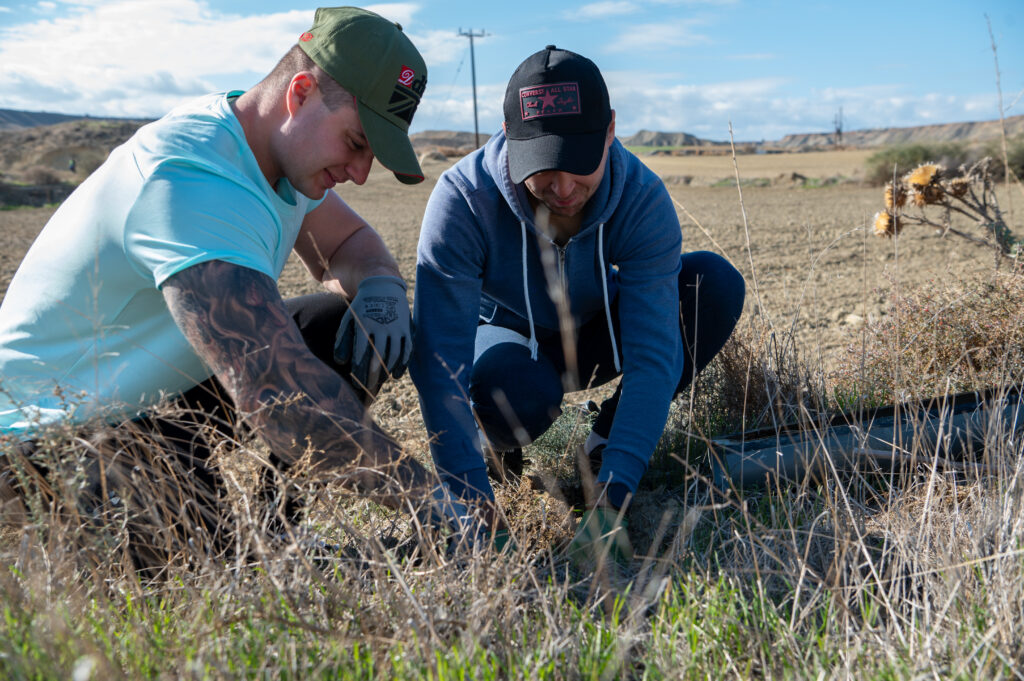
<point>472,67</point>
<point>838,123</point>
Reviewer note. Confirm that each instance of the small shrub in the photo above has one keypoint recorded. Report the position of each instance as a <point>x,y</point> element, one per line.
<point>758,379</point>
<point>880,164</point>
<point>41,175</point>
<point>1014,154</point>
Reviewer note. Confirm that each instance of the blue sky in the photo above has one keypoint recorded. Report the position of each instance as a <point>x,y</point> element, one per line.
<point>769,67</point>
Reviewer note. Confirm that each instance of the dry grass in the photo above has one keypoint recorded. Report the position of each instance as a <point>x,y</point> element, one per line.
<point>903,576</point>
<point>950,336</point>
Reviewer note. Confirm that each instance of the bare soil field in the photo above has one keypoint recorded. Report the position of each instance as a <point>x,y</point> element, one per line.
<point>710,170</point>
<point>813,265</point>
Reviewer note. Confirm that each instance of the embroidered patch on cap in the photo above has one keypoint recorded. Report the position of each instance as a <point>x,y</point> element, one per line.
<point>306,37</point>
<point>406,95</point>
<point>557,99</point>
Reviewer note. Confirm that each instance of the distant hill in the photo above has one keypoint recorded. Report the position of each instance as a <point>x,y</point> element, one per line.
<point>647,138</point>
<point>37,148</point>
<point>970,132</point>
<point>465,141</point>
<point>11,119</point>
<point>430,139</point>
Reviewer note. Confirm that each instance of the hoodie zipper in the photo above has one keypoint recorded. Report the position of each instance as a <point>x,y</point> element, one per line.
<point>561,266</point>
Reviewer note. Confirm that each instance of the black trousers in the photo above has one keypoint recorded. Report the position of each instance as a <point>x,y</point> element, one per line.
<point>711,293</point>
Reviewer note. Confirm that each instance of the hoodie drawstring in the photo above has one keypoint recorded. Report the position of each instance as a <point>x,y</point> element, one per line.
<point>526,294</point>
<point>532,344</point>
<point>604,286</point>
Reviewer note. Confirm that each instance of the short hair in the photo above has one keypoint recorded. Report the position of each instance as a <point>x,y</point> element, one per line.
<point>296,60</point>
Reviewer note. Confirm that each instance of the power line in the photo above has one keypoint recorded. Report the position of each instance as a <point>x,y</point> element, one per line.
<point>472,65</point>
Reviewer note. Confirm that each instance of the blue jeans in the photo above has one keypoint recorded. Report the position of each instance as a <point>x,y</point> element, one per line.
<point>517,399</point>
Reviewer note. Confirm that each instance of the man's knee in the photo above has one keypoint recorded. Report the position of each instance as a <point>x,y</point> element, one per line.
<point>515,397</point>
<point>318,316</point>
<point>708,276</point>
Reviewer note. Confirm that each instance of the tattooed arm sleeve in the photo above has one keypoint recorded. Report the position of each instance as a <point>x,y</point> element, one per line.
<point>237,323</point>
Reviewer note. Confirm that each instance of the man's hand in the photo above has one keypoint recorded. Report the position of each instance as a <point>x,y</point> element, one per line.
<point>376,333</point>
<point>601,535</point>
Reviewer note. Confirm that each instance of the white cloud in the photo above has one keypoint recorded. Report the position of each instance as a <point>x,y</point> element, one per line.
<point>713,3</point>
<point>769,109</point>
<point>453,109</point>
<point>647,37</point>
<point>47,6</point>
<point>600,10</point>
<point>6,9</point>
<point>140,59</point>
<point>758,109</point>
<point>127,58</point>
<point>402,12</point>
<point>441,47</point>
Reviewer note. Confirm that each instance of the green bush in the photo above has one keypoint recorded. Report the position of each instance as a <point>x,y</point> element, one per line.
<point>1014,153</point>
<point>907,157</point>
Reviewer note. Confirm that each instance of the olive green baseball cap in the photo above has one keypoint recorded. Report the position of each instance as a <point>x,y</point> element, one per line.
<point>376,63</point>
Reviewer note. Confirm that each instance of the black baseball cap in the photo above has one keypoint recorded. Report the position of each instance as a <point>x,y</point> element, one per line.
<point>556,115</point>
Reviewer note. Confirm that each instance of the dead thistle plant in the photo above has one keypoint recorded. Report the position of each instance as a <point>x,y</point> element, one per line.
<point>938,195</point>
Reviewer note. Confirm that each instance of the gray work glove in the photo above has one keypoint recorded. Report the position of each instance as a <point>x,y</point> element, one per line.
<point>375,331</point>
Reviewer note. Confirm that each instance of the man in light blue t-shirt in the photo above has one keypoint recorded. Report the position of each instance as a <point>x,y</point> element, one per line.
<point>156,278</point>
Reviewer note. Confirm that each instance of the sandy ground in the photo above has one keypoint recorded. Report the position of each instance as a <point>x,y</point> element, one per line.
<point>812,264</point>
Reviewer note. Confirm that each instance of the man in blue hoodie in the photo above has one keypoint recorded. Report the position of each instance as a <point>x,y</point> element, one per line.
<point>549,261</point>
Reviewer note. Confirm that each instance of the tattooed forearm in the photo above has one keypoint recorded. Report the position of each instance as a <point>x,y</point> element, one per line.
<point>236,321</point>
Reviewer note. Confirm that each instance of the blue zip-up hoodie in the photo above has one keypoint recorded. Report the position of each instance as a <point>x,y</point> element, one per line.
<point>478,246</point>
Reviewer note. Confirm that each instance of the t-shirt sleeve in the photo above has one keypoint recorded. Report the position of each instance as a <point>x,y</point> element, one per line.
<point>185,216</point>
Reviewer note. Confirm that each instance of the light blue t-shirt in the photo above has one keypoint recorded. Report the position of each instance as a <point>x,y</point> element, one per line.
<point>83,327</point>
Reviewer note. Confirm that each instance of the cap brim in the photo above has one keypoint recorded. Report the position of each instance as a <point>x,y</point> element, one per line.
<point>579,154</point>
<point>390,145</point>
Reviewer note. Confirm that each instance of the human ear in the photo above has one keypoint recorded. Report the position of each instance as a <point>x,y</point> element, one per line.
<point>302,85</point>
<point>611,131</point>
